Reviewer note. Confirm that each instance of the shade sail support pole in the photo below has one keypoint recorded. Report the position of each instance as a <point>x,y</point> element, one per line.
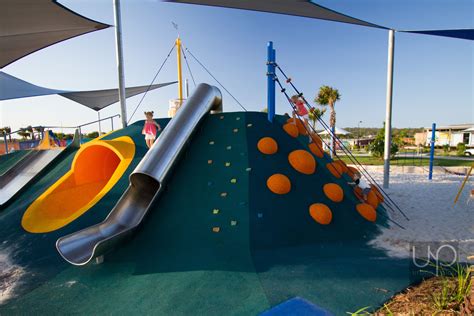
<point>388,110</point>
<point>120,65</point>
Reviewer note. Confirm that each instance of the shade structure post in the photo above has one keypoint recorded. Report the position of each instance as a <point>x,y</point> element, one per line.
<point>98,120</point>
<point>6,143</point>
<point>432,149</point>
<point>271,57</point>
<point>180,72</point>
<point>388,110</point>
<point>112,123</point>
<point>120,65</point>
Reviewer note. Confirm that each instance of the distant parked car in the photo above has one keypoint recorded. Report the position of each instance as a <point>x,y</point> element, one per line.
<point>469,152</point>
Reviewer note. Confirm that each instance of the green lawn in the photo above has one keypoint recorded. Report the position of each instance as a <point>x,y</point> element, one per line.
<point>401,161</point>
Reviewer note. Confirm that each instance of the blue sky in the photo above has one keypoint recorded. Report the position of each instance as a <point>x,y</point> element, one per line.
<point>433,75</point>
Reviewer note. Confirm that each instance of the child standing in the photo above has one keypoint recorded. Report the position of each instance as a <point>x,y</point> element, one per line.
<point>301,111</point>
<point>150,129</point>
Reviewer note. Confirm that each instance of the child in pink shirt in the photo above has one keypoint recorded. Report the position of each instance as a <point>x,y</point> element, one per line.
<point>150,129</point>
<point>300,110</point>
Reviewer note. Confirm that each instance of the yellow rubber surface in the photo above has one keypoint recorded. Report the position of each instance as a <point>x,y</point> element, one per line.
<point>96,168</point>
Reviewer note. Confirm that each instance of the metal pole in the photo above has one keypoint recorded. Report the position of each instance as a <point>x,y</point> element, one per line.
<point>432,143</point>
<point>187,87</point>
<point>120,66</point>
<point>98,119</point>
<point>388,111</point>
<point>6,143</point>
<point>112,122</point>
<point>180,73</point>
<point>271,57</point>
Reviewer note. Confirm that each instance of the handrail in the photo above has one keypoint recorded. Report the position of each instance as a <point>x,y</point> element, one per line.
<point>6,135</point>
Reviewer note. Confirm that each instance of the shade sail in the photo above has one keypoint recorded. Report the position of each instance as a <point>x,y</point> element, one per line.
<point>303,8</point>
<point>30,25</point>
<point>14,88</point>
<point>467,34</point>
<point>100,99</point>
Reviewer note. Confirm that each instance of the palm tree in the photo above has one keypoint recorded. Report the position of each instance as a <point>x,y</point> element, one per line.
<point>327,96</point>
<point>315,115</point>
<point>8,130</point>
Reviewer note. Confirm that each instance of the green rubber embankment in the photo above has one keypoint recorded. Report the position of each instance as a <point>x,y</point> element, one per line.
<point>9,160</point>
<point>217,242</point>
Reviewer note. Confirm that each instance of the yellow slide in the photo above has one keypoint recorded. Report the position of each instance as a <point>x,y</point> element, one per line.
<point>96,168</point>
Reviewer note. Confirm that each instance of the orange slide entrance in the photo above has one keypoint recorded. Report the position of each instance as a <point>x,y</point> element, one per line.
<point>96,168</point>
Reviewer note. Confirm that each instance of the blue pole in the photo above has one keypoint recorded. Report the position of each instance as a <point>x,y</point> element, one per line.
<point>433,136</point>
<point>270,82</point>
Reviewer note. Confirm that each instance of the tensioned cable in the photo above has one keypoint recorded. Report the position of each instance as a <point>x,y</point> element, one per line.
<point>283,90</point>
<point>210,74</point>
<point>149,87</point>
<point>351,157</point>
<point>189,68</point>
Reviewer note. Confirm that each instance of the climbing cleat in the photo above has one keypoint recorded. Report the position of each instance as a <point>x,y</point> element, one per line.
<point>227,164</point>
<point>216,229</point>
<point>233,223</point>
<point>215,211</point>
<point>233,180</point>
<point>209,162</point>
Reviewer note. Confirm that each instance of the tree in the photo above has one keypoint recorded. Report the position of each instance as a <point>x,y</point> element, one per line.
<point>23,133</point>
<point>315,115</point>
<point>92,135</point>
<point>327,96</point>
<point>377,147</point>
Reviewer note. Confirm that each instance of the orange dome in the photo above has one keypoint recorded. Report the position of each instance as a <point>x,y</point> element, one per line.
<point>299,124</point>
<point>377,192</point>
<point>267,145</point>
<point>316,139</point>
<point>372,199</point>
<point>321,213</point>
<point>333,192</point>
<point>351,171</point>
<point>342,164</point>
<point>317,150</point>
<point>335,169</point>
<point>367,211</point>
<point>291,129</point>
<point>279,184</point>
<point>358,193</point>
<point>302,161</point>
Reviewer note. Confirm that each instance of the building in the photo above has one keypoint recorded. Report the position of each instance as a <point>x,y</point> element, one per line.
<point>450,135</point>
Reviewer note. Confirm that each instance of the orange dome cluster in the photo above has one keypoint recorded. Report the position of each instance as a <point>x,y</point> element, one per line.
<point>333,192</point>
<point>367,211</point>
<point>267,145</point>
<point>335,169</point>
<point>321,213</point>
<point>302,161</point>
<point>299,125</point>
<point>279,183</point>
<point>291,129</point>
<point>315,138</point>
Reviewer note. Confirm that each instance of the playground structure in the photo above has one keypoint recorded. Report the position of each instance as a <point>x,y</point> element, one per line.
<point>238,204</point>
<point>37,160</point>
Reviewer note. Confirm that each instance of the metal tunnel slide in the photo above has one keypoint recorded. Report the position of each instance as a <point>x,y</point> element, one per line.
<point>29,167</point>
<point>146,182</point>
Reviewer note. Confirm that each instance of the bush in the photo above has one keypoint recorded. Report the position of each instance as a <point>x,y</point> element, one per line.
<point>377,146</point>
<point>446,148</point>
<point>461,149</point>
